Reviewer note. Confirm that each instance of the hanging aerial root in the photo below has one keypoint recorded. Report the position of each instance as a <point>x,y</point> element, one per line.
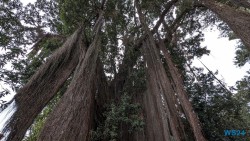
<point>44,84</point>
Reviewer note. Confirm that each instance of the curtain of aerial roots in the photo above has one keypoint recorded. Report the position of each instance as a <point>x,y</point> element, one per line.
<point>238,20</point>
<point>71,120</point>
<point>44,84</point>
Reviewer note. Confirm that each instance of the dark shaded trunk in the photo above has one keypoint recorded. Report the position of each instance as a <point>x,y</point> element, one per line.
<point>45,83</point>
<point>237,20</point>
<point>102,94</point>
<point>72,118</point>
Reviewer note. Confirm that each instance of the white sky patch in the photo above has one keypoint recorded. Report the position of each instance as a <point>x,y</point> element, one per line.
<point>25,2</point>
<point>221,57</point>
<point>8,97</point>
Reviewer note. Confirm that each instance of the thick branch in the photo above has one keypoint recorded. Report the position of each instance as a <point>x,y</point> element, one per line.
<point>163,14</point>
<point>37,46</point>
<point>76,107</point>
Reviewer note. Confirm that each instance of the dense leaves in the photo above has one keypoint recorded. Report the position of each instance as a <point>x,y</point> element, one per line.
<point>217,108</point>
<point>118,115</point>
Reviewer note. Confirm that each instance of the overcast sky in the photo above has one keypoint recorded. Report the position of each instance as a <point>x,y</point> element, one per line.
<point>221,57</point>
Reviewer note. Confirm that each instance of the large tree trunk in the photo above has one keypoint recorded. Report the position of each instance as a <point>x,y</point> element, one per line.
<point>237,20</point>
<point>161,98</point>
<point>43,85</point>
<point>182,95</point>
<point>72,118</point>
<point>162,91</point>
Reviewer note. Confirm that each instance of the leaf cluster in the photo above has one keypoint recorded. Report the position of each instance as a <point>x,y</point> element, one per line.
<point>125,114</point>
<point>217,108</point>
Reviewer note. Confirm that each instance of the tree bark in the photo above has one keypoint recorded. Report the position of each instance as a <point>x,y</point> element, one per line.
<point>43,85</point>
<point>182,95</point>
<point>163,96</point>
<point>161,89</point>
<point>72,118</point>
<point>237,20</point>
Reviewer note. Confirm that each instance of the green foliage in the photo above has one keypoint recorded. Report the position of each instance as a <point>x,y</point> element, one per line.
<point>10,23</point>
<point>183,5</point>
<point>25,68</point>
<point>38,125</point>
<point>217,108</point>
<point>35,129</point>
<point>242,55</point>
<point>136,81</point>
<point>20,27</point>
<point>12,36</point>
<point>84,13</point>
<point>124,113</point>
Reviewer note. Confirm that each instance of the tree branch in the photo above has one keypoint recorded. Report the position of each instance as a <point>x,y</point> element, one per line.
<point>161,19</point>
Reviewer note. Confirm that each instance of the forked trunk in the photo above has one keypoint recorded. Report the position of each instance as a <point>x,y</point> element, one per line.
<point>43,85</point>
<point>72,118</point>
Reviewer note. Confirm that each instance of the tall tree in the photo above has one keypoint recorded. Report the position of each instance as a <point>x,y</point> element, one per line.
<point>125,66</point>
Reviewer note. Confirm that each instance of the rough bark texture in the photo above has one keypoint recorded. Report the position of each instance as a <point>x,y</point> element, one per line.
<point>159,84</point>
<point>182,95</point>
<point>72,118</point>
<point>162,98</point>
<point>45,83</point>
<point>161,90</point>
<point>153,119</point>
<point>237,20</point>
